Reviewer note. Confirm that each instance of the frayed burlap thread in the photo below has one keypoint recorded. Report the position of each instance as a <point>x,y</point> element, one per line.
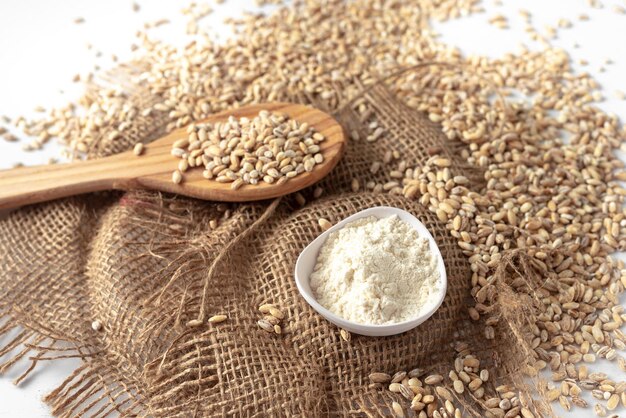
<point>145,264</point>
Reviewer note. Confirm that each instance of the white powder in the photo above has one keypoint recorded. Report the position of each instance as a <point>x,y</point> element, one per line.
<point>375,271</point>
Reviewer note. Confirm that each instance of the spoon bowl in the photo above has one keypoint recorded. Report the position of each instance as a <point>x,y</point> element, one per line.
<point>153,168</point>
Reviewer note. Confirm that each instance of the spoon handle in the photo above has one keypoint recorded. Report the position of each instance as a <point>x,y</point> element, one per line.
<point>26,185</point>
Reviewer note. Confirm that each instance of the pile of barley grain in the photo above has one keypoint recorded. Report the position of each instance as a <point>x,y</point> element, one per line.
<point>271,319</point>
<point>268,148</point>
<point>552,179</point>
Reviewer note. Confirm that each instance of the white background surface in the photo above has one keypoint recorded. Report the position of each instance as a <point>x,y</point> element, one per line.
<point>41,49</point>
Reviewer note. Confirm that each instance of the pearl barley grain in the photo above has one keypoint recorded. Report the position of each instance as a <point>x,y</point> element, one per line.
<point>138,149</point>
<point>177,177</point>
<point>216,319</point>
<point>324,223</point>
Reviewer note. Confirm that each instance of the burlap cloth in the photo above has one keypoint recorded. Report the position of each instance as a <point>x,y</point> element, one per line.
<point>144,264</point>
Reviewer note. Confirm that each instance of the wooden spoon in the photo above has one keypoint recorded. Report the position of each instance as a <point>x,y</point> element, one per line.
<point>153,169</point>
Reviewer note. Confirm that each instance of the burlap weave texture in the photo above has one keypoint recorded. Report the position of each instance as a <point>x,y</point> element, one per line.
<point>139,262</point>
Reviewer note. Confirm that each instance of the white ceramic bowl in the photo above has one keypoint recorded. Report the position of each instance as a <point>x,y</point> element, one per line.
<point>308,257</point>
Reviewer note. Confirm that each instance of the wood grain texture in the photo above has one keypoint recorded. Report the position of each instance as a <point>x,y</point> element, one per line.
<point>153,169</point>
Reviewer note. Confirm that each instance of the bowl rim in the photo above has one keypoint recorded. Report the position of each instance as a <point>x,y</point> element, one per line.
<point>378,329</point>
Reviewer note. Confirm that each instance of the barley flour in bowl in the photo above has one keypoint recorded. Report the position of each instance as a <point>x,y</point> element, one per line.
<point>378,272</point>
